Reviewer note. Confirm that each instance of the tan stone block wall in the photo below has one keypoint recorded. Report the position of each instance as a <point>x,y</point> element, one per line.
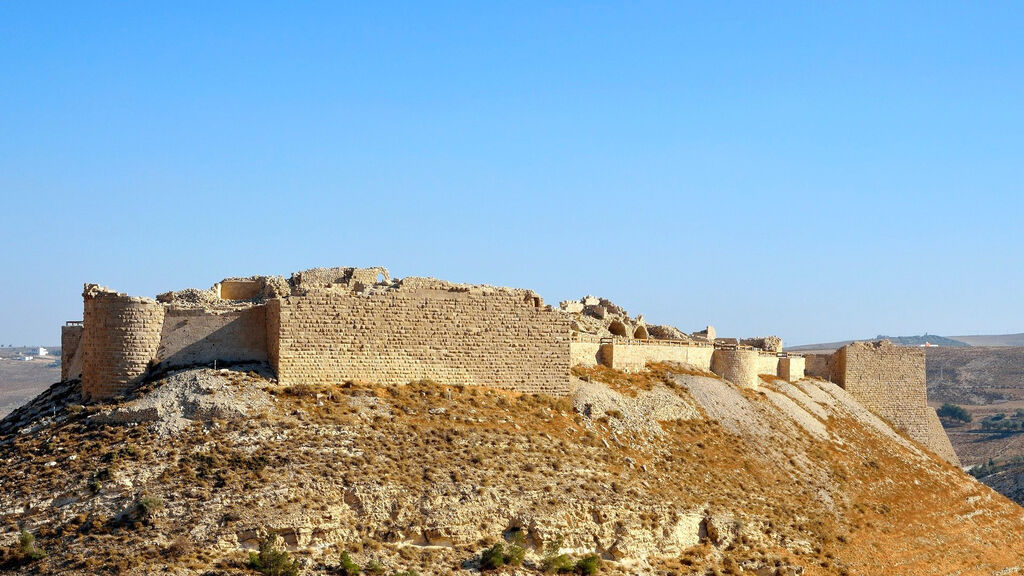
<point>586,354</point>
<point>791,368</point>
<point>635,357</point>
<point>195,337</point>
<point>816,366</point>
<point>273,321</point>
<point>890,381</point>
<point>120,338</point>
<point>768,364</point>
<point>239,289</point>
<point>70,339</point>
<point>452,337</point>
<point>882,378</point>
<point>739,366</point>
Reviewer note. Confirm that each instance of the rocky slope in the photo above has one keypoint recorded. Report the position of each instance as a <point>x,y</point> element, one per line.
<point>668,472</point>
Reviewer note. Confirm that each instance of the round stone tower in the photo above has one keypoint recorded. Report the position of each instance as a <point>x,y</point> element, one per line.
<point>120,338</point>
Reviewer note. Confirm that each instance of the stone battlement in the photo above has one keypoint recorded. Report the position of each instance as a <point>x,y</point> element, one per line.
<point>331,325</point>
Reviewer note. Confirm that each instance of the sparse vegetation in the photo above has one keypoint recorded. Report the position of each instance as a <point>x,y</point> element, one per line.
<point>346,566</point>
<point>954,412</point>
<point>272,562</point>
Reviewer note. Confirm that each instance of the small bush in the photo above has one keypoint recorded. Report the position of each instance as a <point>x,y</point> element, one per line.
<point>493,558</point>
<point>346,567</point>
<point>555,563</point>
<point>373,568</point>
<point>271,561</point>
<point>27,548</point>
<point>588,565</point>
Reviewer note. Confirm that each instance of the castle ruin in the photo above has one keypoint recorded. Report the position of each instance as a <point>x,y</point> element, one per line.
<point>331,325</point>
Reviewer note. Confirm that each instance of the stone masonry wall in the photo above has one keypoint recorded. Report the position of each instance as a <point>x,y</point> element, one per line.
<point>634,357</point>
<point>890,381</point>
<point>586,354</point>
<point>120,338</point>
<point>70,338</point>
<point>767,364</point>
<point>738,366</point>
<point>197,337</point>
<point>492,338</point>
<point>791,368</point>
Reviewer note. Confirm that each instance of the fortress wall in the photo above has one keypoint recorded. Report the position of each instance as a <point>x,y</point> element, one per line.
<point>273,322</point>
<point>70,338</point>
<point>586,354</point>
<point>890,381</point>
<point>120,338</point>
<point>492,338</point>
<point>195,337</point>
<point>768,364</point>
<point>791,368</point>
<point>882,377</point>
<point>740,367</point>
<point>816,366</point>
<point>635,357</point>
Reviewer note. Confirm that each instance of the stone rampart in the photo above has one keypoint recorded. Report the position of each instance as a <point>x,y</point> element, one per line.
<point>196,336</point>
<point>737,365</point>
<point>633,357</point>
<point>120,338</point>
<point>461,335</point>
<point>585,354</point>
<point>791,368</point>
<point>767,364</point>
<point>890,381</point>
<point>70,355</point>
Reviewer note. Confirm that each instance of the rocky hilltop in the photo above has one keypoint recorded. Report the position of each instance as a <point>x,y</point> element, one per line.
<point>667,471</point>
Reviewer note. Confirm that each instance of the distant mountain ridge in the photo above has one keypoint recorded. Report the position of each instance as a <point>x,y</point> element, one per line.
<point>935,340</point>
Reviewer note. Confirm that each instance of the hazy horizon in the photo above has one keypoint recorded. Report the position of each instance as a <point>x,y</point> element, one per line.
<point>816,172</point>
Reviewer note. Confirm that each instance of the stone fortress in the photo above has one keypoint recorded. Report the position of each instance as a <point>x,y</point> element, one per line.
<point>331,325</point>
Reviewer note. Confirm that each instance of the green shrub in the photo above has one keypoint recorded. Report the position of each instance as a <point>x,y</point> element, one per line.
<point>373,568</point>
<point>588,565</point>
<point>271,561</point>
<point>28,551</point>
<point>493,558</point>
<point>553,562</point>
<point>954,412</point>
<point>346,567</point>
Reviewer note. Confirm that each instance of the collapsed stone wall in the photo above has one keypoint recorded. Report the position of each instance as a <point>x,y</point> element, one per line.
<point>450,334</point>
<point>890,381</point>
<point>70,356</point>
<point>196,337</point>
<point>120,338</point>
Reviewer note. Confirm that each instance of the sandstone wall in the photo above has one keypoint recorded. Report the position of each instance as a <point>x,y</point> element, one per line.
<point>484,337</point>
<point>738,366</point>
<point>586,354</point>
<point>70,355</point>
<point>635,357</point>
<point>816,366</point>
<point>890,381</point>
<point>768,364</point>
<point>196,337</point>
<point>791,368</point>
<point>120,338</point>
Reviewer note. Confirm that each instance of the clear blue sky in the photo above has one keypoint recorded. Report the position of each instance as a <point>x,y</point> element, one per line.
<point>816,170</point>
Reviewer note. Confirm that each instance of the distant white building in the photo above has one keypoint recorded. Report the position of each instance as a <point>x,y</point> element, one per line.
<point>26,358</point>
<point>42,351</point>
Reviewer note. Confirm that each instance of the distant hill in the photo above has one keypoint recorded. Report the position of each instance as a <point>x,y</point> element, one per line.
<point>932,339</point>
<point>992,340</point>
